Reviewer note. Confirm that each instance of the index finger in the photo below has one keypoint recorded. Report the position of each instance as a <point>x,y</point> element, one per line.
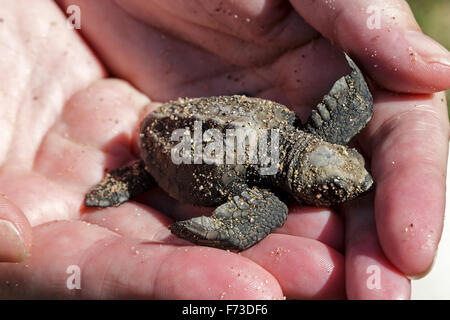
<point>384,37</point>
<point>408,142</point>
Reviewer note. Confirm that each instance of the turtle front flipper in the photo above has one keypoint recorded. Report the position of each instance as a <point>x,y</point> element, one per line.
<point>344,111</point>
<point>120,185</point>
<point>237,224</point>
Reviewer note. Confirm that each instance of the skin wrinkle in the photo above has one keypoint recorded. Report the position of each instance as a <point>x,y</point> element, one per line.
<point>204,29</point>
<point>269,31</point>
<point>284,74</point>
<point>155,283</point>
<point>72,140</point>
<point>85,144</point>
<point>283,12</point>
<point>93,252</point>
<point>340,14</point>
<point>14,118</point>
<point>270,81</point>
<point>8,143</point>
<point>218,75</point>
<point>63,206</point>
<point>276,30</point>
<point>329,33</point>
<point>256,71</point>
<point>425,126</point>
<point>35,73</point>
<point>104,284</point>
<point>158,235</point>
<point>381,177</point>
<point>273,83</point>
<point>205,78</point>
<point>108,153</point>
<point>390,124</point>
<point>39,153</point>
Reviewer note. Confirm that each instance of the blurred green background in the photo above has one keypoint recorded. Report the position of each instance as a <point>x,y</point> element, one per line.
<point>434,19</point>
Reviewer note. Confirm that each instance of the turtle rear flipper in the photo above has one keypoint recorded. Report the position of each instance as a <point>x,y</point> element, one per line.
<point>344,111</point>
<point>237,224</point>
<point>120,185</point>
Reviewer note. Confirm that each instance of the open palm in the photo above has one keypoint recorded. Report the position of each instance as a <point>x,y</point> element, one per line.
<point>65,124</point>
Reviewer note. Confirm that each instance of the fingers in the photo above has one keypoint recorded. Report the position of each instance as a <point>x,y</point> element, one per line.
<point>384,37</point>
<point>97,131</point>
<point>37,97</point>
<point>15,232</point>
<point>214,63</point>
<point>105,112</point>
<point>149,55</point>
<point>305,268</point>
<point>408,143</point>
<point>302,76</point>
<point>288,257</point>
<point>40,199</point>
<point>368,273</point>
<point>271,23</point>
<point>111,266</point>
<point>132,220</point>
<point>321,224</point>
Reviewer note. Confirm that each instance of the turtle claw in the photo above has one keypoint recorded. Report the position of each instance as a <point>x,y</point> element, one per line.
<point>344,111</point>
<point>119,186</point>
<point>237,224</point>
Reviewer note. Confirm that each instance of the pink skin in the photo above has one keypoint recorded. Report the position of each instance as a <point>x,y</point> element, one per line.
<point>63,124</point>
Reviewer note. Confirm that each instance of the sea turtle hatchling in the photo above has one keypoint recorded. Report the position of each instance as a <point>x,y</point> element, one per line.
<point>313,166</point>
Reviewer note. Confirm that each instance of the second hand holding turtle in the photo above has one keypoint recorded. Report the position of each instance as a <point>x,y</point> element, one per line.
<point>314,168</point>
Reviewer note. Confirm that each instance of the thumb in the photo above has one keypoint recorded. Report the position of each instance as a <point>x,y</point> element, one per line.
<point>15,232</point>
<point>385,39</point>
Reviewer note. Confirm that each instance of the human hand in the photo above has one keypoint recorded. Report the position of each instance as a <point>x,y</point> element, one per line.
<point>229,57</point>
<point>64,126</point>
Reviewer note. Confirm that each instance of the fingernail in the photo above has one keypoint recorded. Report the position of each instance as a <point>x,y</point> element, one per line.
<point>428,49</point>
<point>12,246</point>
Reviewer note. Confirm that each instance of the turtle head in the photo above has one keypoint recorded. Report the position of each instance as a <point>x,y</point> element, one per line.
<point>326,174</point>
